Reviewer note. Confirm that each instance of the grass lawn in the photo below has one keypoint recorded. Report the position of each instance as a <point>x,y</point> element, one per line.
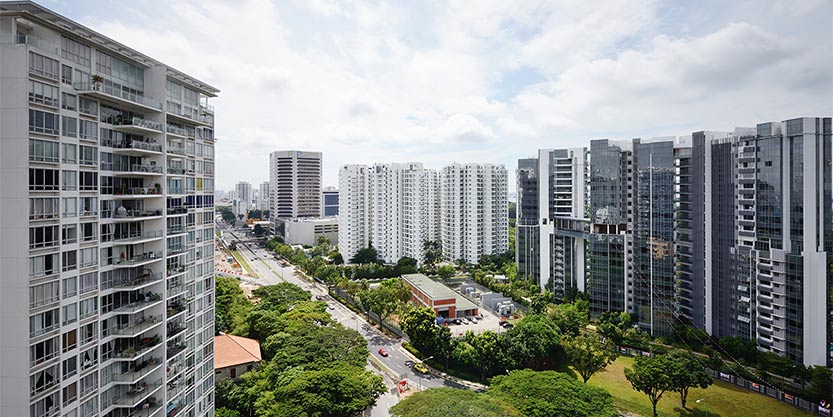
<point>724,400</point>
<point>243,263</point>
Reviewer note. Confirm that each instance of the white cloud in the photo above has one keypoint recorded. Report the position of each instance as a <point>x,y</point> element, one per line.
<point>436,82</point>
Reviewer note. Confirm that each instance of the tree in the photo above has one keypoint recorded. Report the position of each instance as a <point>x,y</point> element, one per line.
<point>488,353</point>
<point>258,230</point>
<point>568,318</point>
<point>588,354</point>
<point>431,253</point>
<point>687,372</point>
<point>232,306</point>
<point>280,297</point>
<point>821,384</point>
<point>254,214</point>
<point>336,258</point>
<point>539,302</point>
<point>386,298</point>
<point>650,376</point>
<point>550,393</point>
<point>405,265</point>
<point>419,324</point>
<point>446,271</point>
<point>452,402</point>
<point>315,347</point>
<point>533,340</point>
<point>337,391</point>
<point>367,255</point>
<point>227,214</point>
<point>226,412</point>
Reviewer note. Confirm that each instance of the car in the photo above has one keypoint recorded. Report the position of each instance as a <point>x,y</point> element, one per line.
<point>421,367</point>
<point>409,363</point>
<point>464,320</point>
<point>473,320</point>
<point>507,325</point>
<point>383,352</point>
<point>319,297</point>
<point>331,307</point>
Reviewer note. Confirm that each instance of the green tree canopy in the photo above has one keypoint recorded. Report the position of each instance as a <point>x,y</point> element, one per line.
<point>231,308</point>
<point>651,376</point>
<point>446,271</point>
<point>687,372</point>
<point>551,394</point>
<point>418,324</point>
<point>367,255</point>
<point>451,402</point>
<point>533,340</point>
<point>568,317</point>
<point>588,354</point>
<point>386,298</point>
<point>431,253</point>
<point>315,347</point>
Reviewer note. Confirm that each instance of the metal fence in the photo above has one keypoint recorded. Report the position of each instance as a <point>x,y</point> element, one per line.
<point>338,292</point>
<point>749,385</point>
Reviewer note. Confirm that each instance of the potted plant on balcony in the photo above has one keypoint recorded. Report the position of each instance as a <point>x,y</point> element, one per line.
<point>97,80</point>
<point>158,188</point>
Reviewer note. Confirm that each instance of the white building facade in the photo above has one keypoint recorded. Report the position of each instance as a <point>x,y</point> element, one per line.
<point>106,301</point>
<point>353,209</point>
<point>263,196</point>
<point>243,198</point>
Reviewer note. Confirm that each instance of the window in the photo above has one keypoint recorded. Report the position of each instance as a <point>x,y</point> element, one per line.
<point>69,234</point>
<point>43,122</point>
<point>70,392</point>
<point>89,206</point>
<point>89,256</point>
<point>76,52</point>
<point>43,66</point>
<point>88,333</point>
<point>43,265</point>
<point>70,287</point>
<point>88,282</point>
<point>69,340</point>
<point>41,93</point>
<point>43,179</point>
<point>44,351</point>
<point>88,107</point>
<point>69,313</point>
<point>88,130</point>
<point>43,294</point>
<point>88,155</point>
<point>43,322</point>
<point>43,150</point>
<point>66,74</point>
<point>43,208</point>
<point>44,407</point>
<point>43,237</point>
<point>69,101</point>
<point>69,152</point>
<point>69,127</point>
<point>69,260</point>
<point>70,366</point>
<point>43,380</point>
<point>89,181</point>
<point>69,207</point>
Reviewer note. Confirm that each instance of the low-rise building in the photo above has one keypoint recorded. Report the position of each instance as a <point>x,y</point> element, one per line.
<point>234,356</point>
<point>445,301</point>
<point>305,231</point>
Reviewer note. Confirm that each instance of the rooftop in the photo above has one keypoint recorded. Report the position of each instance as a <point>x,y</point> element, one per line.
<point>438,291</point>
<point>230,350</point>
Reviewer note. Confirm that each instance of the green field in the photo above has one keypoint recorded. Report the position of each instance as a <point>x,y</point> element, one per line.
<point>724,400</point>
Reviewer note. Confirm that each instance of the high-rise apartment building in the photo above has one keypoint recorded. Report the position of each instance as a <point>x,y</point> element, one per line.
<point>474,211</point>
<point>107,225</point>
<point>263,196</point>
<point>353,209</point>
<point>294,185</point>
<point>727,231</point>
<point>243,198</point>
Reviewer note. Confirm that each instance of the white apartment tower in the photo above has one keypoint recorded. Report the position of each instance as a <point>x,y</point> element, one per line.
<point>263,196</point>
<point>474,207</point>
<point>106,218</point>
<point>294,185</point>
<point>243,198</point>
<point>353,209</point>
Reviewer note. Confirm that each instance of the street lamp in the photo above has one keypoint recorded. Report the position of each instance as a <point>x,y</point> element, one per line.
<point>707,405</point>
<point>420,373</point>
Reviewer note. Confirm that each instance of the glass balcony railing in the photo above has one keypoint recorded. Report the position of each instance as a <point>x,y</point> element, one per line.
<point>135,214</point>
<point>139,168</point>
<point>176,130</point>
<point>137,281</point>
<point>138,122</point>
<point>108,90</point>
<point>138,191</point>
<point>136,236</point>
<point>136,328</point>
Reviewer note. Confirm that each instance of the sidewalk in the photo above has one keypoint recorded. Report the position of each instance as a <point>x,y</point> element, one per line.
<point>466,383</point>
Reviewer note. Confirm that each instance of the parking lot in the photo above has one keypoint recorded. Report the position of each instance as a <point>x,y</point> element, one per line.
<point>488,322</point>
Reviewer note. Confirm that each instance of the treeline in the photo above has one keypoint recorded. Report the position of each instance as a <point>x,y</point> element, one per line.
<point>311,364</point>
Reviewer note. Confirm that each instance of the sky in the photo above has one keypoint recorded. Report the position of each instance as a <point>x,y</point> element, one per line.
<point>475,81</point>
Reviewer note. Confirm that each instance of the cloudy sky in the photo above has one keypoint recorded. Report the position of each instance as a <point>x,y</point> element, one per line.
<point>476,81</point>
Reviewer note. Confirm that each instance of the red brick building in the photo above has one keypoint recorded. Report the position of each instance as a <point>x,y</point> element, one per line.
<point>445,301</point>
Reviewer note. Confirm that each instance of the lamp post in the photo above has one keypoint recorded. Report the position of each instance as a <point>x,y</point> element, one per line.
<point>707,405</point>
<point>420,373</point>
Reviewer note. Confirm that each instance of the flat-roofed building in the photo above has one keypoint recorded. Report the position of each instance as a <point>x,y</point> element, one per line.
<point>445,301</point>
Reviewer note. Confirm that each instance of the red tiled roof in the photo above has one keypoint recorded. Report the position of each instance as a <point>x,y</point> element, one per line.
<point>230,350</point>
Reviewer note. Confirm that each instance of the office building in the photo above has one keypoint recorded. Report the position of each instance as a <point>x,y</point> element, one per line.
<point>474,211</point>
<point>307,230</point>
<point>329,202</point>
<point>106,301</point>
<point>294,186</point>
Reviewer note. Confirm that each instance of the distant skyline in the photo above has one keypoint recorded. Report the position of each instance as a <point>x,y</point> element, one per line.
<point>482,81</point>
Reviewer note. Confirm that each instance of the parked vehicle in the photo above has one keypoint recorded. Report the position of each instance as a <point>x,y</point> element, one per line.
<point>473,320</point>
<point>464,320</point>
<point>421,367</point>
<point>383,352</point>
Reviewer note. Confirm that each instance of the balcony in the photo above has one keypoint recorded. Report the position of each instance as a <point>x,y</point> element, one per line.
<point>174,349</point>
<point>137,371</point>
<point>176,290</point>
<point>121,216</point>
<point>137,394</point>
<point>140,304</point>
<point>137,169</point>
<point>176,171</point>
<point>131,351</point>
<point>144,279</point>
<point>176,131</point>
<point>187,117</point>
<point>134,147</point>
<point>137,192</point>
<point>175,230</point>
<point>137,125</point>
<point>102,91</point>
<point>176,249</point>
<point>137,328</point>
<point>175,270</point>
<point>137,237</point>
<point>175,308</point>
<point>37,43</point>
<point>175,329</point>
<point>137,260</point>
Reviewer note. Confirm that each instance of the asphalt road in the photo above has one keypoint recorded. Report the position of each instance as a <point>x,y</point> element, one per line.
<point>270,272</point>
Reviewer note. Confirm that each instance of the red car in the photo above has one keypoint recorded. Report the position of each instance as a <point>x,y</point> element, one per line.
<point>383,352</point>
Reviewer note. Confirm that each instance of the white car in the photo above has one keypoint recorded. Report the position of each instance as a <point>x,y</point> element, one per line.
<point>464,320</point>
<point>473,320</point>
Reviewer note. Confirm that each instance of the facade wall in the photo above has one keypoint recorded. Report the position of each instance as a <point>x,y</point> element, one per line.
<point>107,223</point>
<point>294,185</point>
<point>353,209</point>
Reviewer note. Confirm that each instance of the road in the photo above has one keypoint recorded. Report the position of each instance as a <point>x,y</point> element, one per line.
<point>270,272</point>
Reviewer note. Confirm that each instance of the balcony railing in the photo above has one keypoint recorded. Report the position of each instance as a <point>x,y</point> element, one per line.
<point>109,90</point>
<point>137,281</point>
<point>176,130</point>
<point>137,394</point>
<point>176,171</point>
<point>136,214</point>
<point>145,257</point>
<point>137,371</point>
<point>153,169</point>
<point>136,236</point>
<point>137,328</point>
<point>138,305</point>
<point>138,122</point>
<point>141,348</point>
<point>133,144</point>
<point>20,39</point>
<point>138,191</point>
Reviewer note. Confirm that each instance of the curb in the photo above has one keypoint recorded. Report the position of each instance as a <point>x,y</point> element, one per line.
<point>432,371</point>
